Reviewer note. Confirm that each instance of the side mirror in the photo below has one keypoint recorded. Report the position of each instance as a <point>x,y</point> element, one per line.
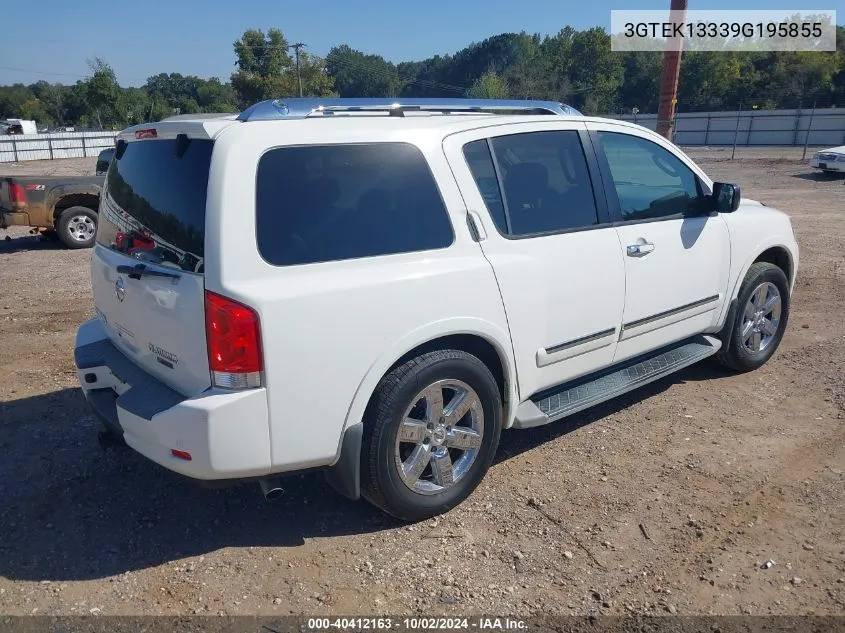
<point>725,197</point>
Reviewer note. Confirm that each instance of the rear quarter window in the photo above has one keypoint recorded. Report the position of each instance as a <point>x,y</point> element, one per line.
<point>326,203</point>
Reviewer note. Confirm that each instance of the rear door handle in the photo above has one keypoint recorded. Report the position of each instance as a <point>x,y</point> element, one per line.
<point>476,227</point>
<point>638,250</point>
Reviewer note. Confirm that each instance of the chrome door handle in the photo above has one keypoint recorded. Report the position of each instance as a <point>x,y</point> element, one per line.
<point>638,250</point>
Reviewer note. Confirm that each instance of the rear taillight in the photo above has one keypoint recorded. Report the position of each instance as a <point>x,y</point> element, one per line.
<point>234,343</point>
<point>148,133</point>
<point>17,194</point>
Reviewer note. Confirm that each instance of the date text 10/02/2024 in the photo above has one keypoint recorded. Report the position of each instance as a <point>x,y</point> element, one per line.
<point>416,624</point>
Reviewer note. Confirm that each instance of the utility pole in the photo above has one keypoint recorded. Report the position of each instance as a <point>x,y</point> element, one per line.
<point>809,128</point>
<point>296,48</point>
<point>669,75</point>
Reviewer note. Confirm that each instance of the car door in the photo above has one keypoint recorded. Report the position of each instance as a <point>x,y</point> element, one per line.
<point>676,253</point>
<point>533,196</point>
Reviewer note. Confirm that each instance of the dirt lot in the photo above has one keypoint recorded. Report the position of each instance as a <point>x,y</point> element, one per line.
<point>669,500</point>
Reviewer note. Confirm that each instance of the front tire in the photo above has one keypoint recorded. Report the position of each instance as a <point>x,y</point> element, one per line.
<point>77,227</point>
<point>430,434</point>
<point>759,321</point>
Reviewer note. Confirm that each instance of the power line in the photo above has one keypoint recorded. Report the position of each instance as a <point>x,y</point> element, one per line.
<point>45,72</point>
<point>42,72</point>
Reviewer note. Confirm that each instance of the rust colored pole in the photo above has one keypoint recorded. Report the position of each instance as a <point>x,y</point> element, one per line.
<point>669,75</point>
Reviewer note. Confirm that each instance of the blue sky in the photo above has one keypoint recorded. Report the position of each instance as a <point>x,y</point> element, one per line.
<point>52,39</point>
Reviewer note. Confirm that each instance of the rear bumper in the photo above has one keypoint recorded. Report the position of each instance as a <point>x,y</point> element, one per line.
<point>226,433</point>
<point>11,218</point>
<point>828,165</point>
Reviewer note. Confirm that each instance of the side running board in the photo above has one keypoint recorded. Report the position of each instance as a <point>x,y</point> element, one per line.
<point>577,395</point>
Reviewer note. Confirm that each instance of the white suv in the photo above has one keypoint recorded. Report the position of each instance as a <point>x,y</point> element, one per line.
<point>378,289</point>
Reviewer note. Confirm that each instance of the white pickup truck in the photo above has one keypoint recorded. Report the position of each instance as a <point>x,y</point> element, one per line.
<point>377,289</point>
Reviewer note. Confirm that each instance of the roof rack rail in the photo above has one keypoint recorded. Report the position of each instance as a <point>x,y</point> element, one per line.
<point>204,116</point>
<point>300,108</point>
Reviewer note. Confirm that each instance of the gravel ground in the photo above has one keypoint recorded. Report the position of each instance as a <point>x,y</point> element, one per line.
<point>668,500</point>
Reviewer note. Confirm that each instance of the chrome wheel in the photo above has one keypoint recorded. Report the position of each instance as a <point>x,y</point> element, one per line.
<point>81,228</point>
<point>761,318</point>
<point>439,437</point>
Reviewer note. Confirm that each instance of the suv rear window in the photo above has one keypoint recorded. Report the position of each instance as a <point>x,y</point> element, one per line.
<point>325,203</point>
<point>153,206</point>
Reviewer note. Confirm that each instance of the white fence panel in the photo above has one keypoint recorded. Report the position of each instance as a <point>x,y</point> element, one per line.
<point>23,147</point>
<point>824,127</point>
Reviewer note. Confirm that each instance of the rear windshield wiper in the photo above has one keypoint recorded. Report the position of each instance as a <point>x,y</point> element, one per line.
<point>141,270</point>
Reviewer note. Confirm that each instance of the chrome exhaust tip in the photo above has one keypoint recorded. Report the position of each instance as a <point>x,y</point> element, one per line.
<point>271,489</point>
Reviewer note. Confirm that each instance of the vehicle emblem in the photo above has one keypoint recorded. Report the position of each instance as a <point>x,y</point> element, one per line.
<point>166,358</point>
<point>119,289</point>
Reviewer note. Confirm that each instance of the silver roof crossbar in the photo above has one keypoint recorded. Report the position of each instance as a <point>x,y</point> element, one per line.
<point>300,108</point>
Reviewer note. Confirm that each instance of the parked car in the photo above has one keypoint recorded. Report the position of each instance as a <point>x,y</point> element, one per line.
<point>60,206</point>
<point>387,286</point>
<point>63,207</point>
<point>831,159</point>
<point>17,127</point>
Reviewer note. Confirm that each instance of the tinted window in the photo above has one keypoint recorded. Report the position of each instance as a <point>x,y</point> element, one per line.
<point>153,206</point>
<point>477,155</point>
<point>650,181</point>
<point>325,203</point>
<point>545,182</point>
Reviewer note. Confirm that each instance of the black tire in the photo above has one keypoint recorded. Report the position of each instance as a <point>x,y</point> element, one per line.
<point>74,230</point>
<point>381,483</point>
<point>734,354</point>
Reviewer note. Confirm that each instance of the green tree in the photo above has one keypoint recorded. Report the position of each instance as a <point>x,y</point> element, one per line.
<point>495,54</point>
<point>544,72</point>
<point>34,110</point>
<point>710,80</point>
<point>428,78</point>
<point>641,86</point>
<point>266,70</point>
<point>136,106</point>
<point>796,78</point>
<point>52,98</point>
<point>12,99</point>
<point>595,71</point>
<point>262,65</point>
<point>76,105</point>
<point>316,81</point>
<point>839,79</point>
<point>490,85</point>
<point>103,94</point>
<point>358,75</point>
<point>215,96</point>
<point>576,67</point>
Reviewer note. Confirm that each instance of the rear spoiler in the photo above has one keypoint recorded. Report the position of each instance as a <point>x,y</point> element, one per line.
<point>191,125</point>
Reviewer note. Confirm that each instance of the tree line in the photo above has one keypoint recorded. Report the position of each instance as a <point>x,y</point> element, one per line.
<point>572,66</point>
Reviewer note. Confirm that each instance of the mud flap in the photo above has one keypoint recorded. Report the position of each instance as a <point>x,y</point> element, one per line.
<point>345,475</point>
<point>726,333</point>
